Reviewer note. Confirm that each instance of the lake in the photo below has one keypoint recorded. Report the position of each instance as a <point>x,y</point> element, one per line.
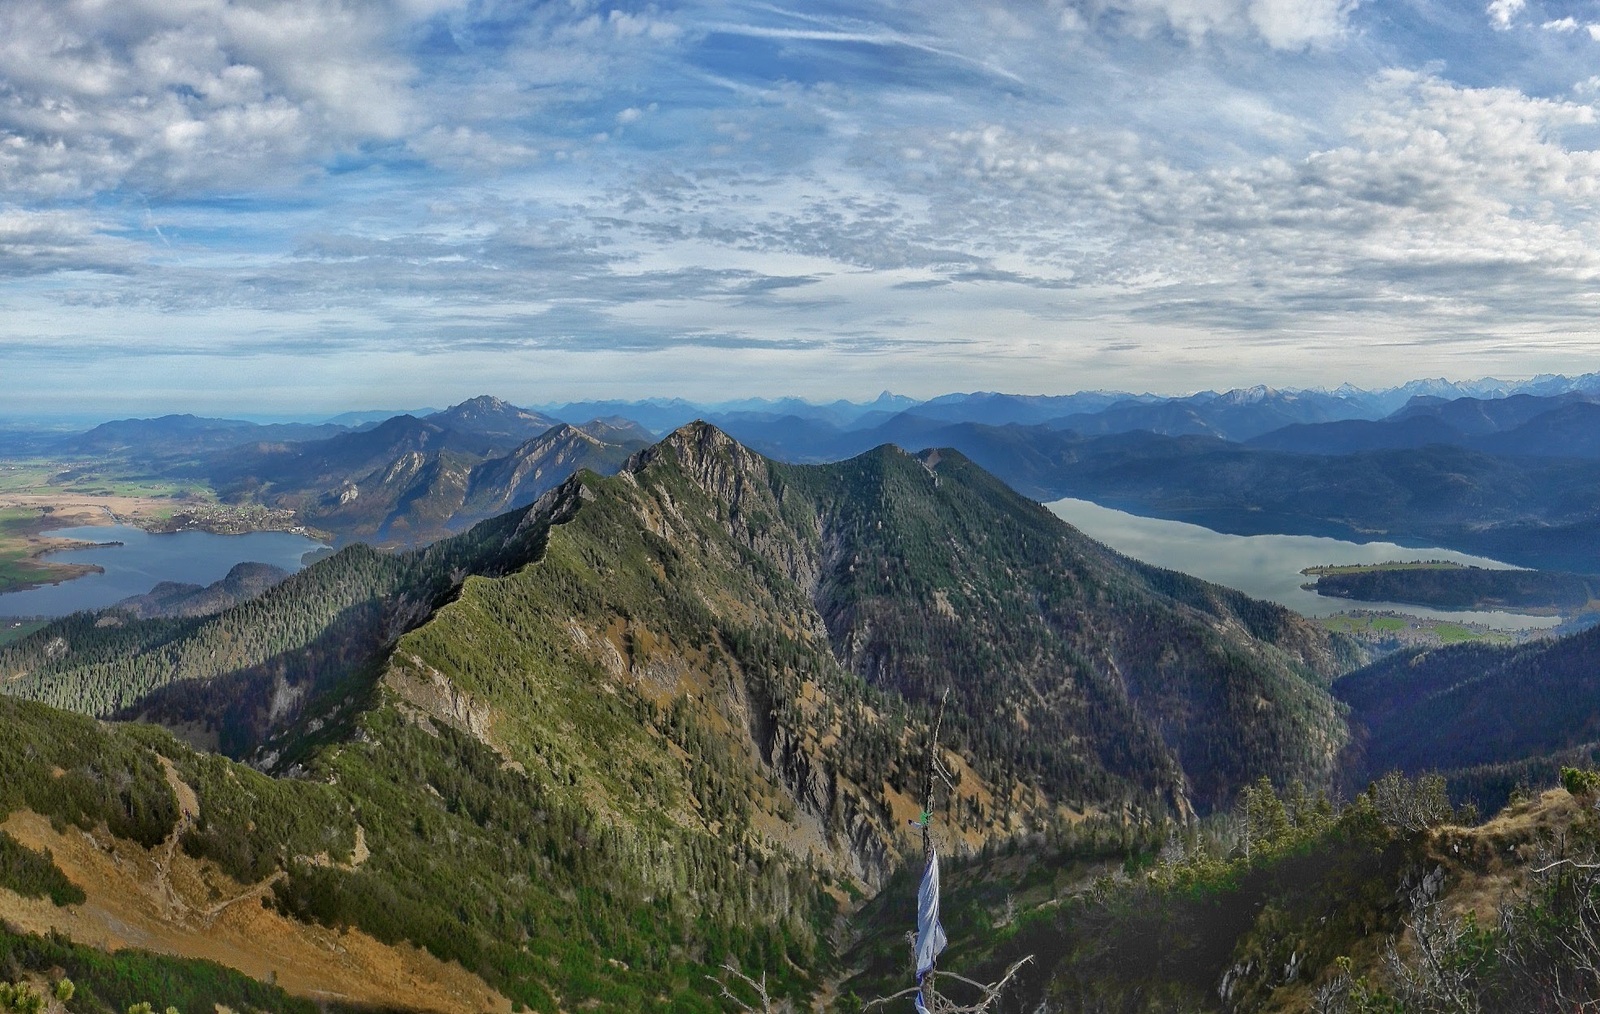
<point>1268,566</point>
<point>144,560</point>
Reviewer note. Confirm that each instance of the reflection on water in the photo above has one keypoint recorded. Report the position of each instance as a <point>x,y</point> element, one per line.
<point>144,560</point>
<point>1268,566</point>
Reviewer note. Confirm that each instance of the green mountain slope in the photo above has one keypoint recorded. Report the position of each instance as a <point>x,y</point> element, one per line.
<point>1071,665</point>
<point>1490,716</point>
<point>233,676</point>
<point>478,863</point>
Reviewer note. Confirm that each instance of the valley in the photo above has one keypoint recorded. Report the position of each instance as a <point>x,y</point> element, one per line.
<point>667,705</point>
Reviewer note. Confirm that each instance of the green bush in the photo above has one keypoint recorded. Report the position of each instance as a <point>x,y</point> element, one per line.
<point>20,998</point>
<point>1583,783</point>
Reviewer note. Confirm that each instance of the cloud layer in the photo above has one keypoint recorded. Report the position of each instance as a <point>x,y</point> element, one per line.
<point>1144,193</point>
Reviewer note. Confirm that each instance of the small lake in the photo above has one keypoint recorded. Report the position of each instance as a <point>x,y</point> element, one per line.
<point>1268,566</point>
<point>145,560</point>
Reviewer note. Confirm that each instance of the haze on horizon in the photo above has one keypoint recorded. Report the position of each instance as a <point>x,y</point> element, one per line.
<point>235,206</point>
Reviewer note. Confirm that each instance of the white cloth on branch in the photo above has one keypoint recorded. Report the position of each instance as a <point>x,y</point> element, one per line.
<point>930,935</point>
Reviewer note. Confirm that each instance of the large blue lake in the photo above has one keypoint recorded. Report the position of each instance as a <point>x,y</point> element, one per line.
<point>1269,566</point>
<point>144,560</point>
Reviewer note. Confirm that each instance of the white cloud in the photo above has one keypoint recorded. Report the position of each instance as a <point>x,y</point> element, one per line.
<point>1440,199</point>
<point>648,25</point>
<point>1282,24</point>
<point>40,242</point>
<point>1292,24</point>
<point>166,95</point>
<point>1569,24</point>
<point>468,148</point>
<point>1503,12</point>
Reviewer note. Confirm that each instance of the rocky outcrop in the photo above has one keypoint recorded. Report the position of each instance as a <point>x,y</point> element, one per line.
<point>851,823</point>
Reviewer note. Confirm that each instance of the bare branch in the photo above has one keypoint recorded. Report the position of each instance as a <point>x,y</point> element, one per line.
<point>876,1001</point>
<point>1568,862</point>
<point>758,988</point>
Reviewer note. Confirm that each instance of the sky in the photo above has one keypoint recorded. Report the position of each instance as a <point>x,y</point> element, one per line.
<point>302,205</point>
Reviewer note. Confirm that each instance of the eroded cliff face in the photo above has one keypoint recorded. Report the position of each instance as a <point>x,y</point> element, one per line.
<point>849,823</point>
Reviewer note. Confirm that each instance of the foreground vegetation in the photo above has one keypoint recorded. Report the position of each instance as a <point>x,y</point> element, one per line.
<point>1290,902</point>
<point>469,859</point>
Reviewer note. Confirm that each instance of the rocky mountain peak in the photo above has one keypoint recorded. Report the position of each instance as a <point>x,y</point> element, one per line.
<point>483,403</point>
<point>715,461</point>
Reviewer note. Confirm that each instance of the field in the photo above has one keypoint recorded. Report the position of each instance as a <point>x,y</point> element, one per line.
<point>21,543</point>
<point>1391,631</point>
<point>12,630</point>
<point>48,477</point>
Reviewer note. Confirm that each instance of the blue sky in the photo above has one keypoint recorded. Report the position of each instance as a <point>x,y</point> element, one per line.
<point>287,205</point>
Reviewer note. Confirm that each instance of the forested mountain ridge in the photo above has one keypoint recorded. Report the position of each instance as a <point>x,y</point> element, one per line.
<point>243,582</point>
<point>237,674</point>
<point>919,573</point>
<point>1488,716</point>
<point>1106,671</point>
<point>552,828</point>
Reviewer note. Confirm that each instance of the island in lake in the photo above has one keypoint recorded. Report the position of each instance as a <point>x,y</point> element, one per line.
<point>1445,585</point>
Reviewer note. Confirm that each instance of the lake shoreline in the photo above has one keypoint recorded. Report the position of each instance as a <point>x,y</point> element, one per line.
<point>1269,565</point>
<point>132,562</point>
<point>28,540</point>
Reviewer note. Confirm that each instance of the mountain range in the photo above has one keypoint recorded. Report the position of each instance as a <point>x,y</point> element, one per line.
<point>408,481</point>
<point>588,750</point>
<point>1347,462</point>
